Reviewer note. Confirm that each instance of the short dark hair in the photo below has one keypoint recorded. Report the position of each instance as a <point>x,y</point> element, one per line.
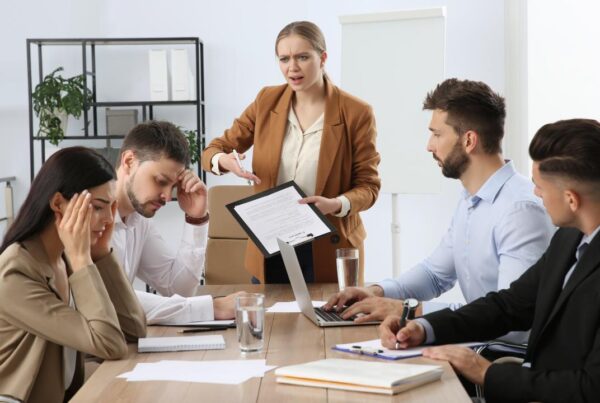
<point>471,105</point>
<point>153,139</point>
<point>68,171</point>
<point>568,148</point>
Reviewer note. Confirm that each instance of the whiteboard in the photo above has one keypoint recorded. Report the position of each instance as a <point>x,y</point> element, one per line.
<point>392,60</point>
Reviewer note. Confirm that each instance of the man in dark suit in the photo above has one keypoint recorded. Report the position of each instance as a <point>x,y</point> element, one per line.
<point>558,298</point>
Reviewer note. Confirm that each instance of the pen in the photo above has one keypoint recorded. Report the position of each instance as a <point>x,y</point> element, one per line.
<point>203,329</point>
<point>405,312</point>
<point>237,158</point>
<point>408,305</point>
<point>367,351</point>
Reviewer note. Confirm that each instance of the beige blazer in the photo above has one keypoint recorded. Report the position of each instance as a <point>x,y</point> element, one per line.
<point>35,323</point>
<point>347,165</point>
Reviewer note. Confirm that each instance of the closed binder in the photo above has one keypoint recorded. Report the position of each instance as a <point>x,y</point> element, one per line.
<point>361,376</point>
<point>159,75</point>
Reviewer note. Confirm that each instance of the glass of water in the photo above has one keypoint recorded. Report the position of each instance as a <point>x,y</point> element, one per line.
<point>250,321</point>
<point>346,261</point>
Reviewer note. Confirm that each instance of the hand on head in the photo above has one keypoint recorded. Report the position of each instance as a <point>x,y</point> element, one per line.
<point>102,246</point>
<point>394,337</point>
<point>73,227</point>
<point>228,162</point>
<point>191,194</point>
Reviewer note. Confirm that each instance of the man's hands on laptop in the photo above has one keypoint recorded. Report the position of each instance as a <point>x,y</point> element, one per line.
<point>367,303</point>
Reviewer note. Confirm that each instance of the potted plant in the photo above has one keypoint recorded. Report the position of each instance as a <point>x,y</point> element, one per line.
<point>56,98</point>
<point>193,144</point>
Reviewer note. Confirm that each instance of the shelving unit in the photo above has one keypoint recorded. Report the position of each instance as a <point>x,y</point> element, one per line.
<point>90,115</point>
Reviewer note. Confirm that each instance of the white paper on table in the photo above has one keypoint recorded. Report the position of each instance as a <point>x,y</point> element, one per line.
<point>224,372</point>
<point>291,306</point>
<point>375,349</point>
<point>279,215</point>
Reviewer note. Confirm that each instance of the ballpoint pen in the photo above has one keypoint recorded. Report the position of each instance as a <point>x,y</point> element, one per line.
<point>237,158</point>
<point>203,329</point>
<point>366,350</point>
<point>407,307</point>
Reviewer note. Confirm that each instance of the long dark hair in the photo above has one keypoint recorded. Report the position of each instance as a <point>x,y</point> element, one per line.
<point>68,171</point>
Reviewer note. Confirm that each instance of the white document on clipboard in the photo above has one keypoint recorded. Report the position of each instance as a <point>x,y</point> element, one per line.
<point>276,213</point>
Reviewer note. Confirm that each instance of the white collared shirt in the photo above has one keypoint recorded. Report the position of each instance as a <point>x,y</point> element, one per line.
<point>300,154</point>
<point>299,157</point>
<point>143,253</point>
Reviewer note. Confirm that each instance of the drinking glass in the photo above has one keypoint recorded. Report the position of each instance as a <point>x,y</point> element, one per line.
<point>250,321</point>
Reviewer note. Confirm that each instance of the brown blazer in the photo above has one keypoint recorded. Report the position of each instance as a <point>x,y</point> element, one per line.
<point>35,323</point>
<point>347,164</point>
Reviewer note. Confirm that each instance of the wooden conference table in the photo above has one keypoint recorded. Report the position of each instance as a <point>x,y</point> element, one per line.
<point>290,338</point>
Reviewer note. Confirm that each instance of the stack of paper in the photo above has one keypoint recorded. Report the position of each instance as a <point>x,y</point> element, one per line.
<point>227,372</point>
<point>359,375</point>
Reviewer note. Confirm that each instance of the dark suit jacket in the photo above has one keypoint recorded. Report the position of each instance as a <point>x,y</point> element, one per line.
<point>564,344</point>
<point>347,164</point>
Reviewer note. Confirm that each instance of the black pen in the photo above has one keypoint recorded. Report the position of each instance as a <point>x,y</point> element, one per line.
<point>203,329</point>
<point>409,305</point>
<point>404,316</point>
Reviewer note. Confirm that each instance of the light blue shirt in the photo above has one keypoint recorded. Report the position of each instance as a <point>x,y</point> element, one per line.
<point>494,237</point>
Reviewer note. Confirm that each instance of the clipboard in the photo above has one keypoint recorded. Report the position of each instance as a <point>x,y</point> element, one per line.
<point>296,236</point>
<point>373,348</point>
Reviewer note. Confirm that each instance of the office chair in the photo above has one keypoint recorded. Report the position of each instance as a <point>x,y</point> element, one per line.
<point>500,352</point>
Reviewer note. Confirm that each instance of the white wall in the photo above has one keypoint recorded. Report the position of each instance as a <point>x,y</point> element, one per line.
<point>563,61</point>
<point>239,59</point>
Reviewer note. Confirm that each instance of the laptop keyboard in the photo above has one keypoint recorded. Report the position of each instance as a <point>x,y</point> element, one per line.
<point>330,316</point>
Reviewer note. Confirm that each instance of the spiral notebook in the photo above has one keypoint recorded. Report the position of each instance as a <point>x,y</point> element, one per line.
<point>182,343</point>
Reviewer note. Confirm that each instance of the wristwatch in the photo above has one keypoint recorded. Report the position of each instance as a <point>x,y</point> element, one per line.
<point>411,304</point>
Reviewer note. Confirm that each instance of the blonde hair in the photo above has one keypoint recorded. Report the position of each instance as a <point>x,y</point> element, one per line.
<point>307,30</point>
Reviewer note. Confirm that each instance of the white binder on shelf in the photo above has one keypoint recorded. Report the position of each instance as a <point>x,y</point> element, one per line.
<point>181,76</point>
<point>159,75</point>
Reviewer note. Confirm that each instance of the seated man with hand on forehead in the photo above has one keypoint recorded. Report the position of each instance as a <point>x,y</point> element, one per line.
<point>152,162</point>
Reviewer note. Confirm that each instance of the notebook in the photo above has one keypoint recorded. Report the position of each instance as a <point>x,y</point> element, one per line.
<point>183,343</point>
<point>359,375</point>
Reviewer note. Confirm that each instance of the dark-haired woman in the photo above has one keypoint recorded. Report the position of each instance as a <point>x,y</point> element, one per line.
<point>61,291</point>
<point>310,131</point>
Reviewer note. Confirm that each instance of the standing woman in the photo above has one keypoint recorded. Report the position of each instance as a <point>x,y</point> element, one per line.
<point>309,131</point>
<point>61,290</point>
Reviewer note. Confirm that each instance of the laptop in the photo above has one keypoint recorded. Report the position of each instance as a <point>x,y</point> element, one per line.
<point>318,316</point>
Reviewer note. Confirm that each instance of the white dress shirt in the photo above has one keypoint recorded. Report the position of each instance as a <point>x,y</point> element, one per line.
<point>144,254</point>
<point>299,158</point>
